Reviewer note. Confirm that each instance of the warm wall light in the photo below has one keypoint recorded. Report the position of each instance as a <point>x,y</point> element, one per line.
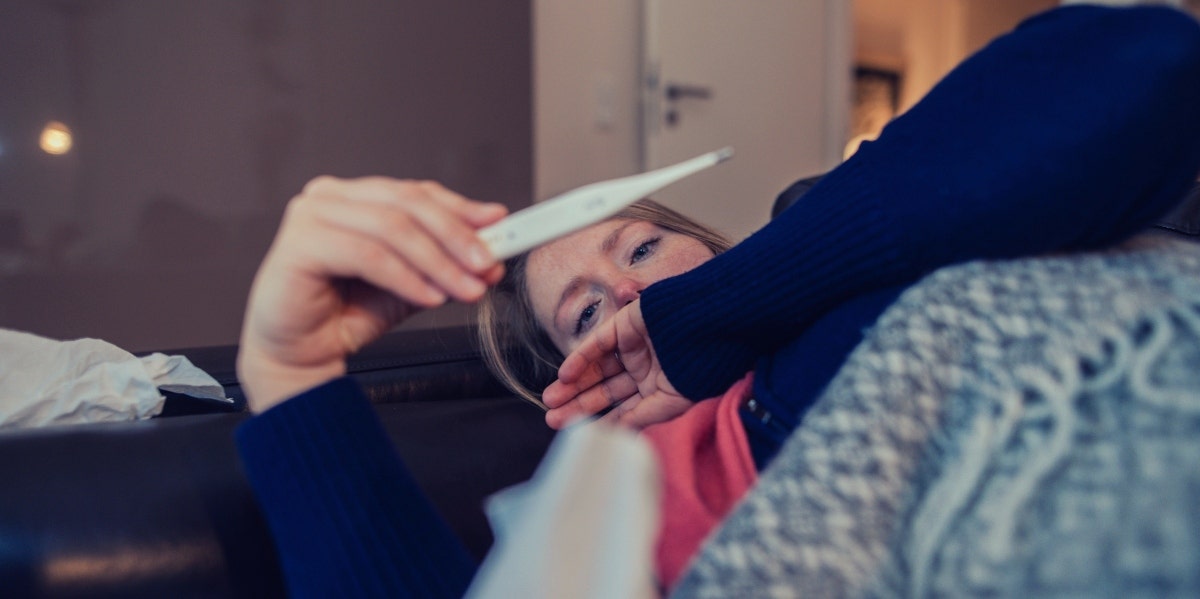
<point>852,146</point>
<point>876,99</point>
<point>56,138</point>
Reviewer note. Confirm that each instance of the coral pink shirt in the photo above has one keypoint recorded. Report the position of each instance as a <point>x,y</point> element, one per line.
<point>706,469</point>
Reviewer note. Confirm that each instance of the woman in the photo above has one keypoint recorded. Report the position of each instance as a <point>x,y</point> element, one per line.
<point>1071,133</point>
<point>507,316</point>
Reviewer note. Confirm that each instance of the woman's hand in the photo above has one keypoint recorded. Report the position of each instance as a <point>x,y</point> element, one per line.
<point>616,367</point>
<point>351,260</point>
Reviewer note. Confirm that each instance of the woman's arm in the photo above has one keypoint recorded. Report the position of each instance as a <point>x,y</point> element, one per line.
<point>347,517</point>
<point>350,261</point>
<point>1073,132</point>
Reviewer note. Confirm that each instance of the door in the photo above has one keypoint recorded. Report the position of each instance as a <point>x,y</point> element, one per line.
<point>771,78</point>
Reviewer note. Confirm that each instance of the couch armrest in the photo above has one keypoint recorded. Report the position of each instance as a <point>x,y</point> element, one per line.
<point>404,366</point>
<point>160,508</point>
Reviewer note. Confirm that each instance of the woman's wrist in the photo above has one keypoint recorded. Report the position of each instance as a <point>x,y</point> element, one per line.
<point>268,382</point>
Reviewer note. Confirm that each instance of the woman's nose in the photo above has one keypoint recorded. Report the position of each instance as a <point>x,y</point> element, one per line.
<point>626,290</point>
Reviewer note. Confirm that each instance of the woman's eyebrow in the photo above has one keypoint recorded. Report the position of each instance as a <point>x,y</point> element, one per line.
<point>606,246</point>
<point>568,291</point>
<point>611,241</point>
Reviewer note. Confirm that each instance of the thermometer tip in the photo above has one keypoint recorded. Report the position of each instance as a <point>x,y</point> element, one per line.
<point>724,154</point>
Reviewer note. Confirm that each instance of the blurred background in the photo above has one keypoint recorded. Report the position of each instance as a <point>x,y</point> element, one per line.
<point>148,147</point>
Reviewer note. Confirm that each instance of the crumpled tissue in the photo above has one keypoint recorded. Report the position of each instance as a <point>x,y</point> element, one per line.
<point>46,382</point>
<point>583,527</point>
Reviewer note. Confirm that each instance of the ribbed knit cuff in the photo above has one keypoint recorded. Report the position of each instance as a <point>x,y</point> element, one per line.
<point>1038,143</point>
<point>709,325</point>
<point>347,516</point>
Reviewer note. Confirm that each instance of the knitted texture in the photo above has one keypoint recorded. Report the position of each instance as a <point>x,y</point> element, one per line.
<point>347,516</point>
<point>1011,428</point>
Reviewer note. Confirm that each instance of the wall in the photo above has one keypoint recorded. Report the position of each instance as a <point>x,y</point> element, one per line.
<point>197,120</point>
<point>585,66</point>
<point>924,39</point>
<point>587,93</point>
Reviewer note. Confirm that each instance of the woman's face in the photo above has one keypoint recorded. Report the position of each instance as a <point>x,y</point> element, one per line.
<point>581,280</point>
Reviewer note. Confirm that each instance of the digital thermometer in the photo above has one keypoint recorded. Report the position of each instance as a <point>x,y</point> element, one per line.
<point>546,221</point>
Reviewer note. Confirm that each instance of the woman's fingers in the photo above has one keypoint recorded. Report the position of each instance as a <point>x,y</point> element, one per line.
<point>386,190</point>
<point>594,373</point>
<point>385,234</point>
<point>448,217</point>
<point>478,214</point>
<point>347,255</point>
<point>493,275</point>
<point>424,223</point>
<point>352,258</point>
<point>453,220</point>
<point>622,338</point>
<point>615,362</point>
<point>643,412</point>
<point>596,355</point>
<point>610,392</point>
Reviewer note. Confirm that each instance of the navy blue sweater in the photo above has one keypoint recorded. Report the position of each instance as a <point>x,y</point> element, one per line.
<point>1071,133</point>
<point>1074,132</point>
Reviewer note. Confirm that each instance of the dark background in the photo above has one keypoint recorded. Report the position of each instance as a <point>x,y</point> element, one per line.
<point>194,122</point>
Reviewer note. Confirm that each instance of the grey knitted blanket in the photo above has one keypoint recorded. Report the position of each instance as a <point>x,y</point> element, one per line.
<point>1018,429</point>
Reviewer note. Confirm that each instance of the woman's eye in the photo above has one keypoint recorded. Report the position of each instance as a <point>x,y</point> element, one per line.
<point>585,317</point>
<point>643,250</point>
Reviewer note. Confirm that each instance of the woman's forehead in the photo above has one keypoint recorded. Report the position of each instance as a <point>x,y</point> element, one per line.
<point>584,242</point>
<point>552,259</point>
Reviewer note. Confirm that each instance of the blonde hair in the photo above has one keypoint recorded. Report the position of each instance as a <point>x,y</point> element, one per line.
<point>517,350</point>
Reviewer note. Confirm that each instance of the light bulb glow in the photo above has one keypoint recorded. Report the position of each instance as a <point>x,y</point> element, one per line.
<point>56,138</point>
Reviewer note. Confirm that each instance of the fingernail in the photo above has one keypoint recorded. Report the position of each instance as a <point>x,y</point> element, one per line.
<point>435,296</point>
<point>479,257</point>
<point>472,285</point>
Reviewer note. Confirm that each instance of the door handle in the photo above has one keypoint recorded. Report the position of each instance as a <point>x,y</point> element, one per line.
<point>678,91</point>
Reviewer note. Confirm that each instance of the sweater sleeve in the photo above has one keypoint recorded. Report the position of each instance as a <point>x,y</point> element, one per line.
<point>347,516</point>
<point>1072,132</point>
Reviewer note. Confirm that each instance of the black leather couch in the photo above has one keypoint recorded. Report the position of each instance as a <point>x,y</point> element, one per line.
<point>160,508</point>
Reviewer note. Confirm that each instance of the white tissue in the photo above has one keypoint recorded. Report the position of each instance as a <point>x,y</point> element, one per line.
<point>45,382</point>
<point>583,527</point>
<point>177,374</point>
